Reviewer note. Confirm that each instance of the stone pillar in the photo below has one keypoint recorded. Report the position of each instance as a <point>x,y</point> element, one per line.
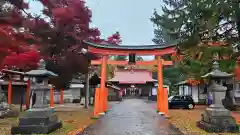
<point>40,99</point>
<point>218,92</point>
<point>41,90</point>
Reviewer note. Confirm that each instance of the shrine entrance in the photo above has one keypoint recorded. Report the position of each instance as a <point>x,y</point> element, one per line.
<point>132,91</point>
<point>105,50</point>
<point>133,82</point>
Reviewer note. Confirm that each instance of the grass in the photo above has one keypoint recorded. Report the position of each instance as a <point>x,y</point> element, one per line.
<point>72,120</point>
<point>186,120</point>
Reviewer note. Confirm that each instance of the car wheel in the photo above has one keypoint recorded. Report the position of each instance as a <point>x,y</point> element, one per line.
<point>190,106</point>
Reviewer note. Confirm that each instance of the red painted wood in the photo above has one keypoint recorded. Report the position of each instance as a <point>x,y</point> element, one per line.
<point>105,51</point>
<point>114,62</point>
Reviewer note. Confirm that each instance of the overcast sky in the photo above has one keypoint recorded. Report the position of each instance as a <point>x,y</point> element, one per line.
<point>129,17</point>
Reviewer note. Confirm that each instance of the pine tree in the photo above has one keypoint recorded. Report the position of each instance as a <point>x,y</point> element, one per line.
<point>189,21</point>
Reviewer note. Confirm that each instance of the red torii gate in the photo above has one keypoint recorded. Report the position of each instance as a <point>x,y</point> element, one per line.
<point>105,50</point>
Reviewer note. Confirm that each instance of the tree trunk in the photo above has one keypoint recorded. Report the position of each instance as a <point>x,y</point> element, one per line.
<point>86,87</point>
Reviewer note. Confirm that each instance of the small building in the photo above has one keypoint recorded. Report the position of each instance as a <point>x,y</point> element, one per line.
<point>134,78</point>
<point>197,91</point>
<point>76,91</point>
<point>73,92</point>
<point>18,93</point>
<point>19,86</point>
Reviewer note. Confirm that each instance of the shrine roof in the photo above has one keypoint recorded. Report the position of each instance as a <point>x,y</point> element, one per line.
<point>182,82</point>
<point>16,83</point>
<point>136,76</point>
<point>7,71</point>
<point>132,47</point>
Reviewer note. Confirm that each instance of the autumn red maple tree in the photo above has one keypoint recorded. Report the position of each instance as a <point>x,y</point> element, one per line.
<point>58,40</point>
<point>114,39</point>
<point>15,49</point>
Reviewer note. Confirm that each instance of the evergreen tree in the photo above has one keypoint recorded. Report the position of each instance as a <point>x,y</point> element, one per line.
<point>199,26</point>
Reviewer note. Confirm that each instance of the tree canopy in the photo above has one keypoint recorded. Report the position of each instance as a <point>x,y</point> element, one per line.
<point>25,38</point>
<point>206,30</point>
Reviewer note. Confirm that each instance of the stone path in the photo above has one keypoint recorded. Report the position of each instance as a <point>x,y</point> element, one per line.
<point>132,117</point>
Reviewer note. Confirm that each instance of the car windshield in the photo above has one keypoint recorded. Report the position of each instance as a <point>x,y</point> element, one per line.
<point>170,98</point>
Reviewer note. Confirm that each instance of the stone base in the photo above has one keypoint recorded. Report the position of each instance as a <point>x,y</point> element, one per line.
<point>217,129</point>
<point>37,122</point>
<point>36,129</point>
<point>218,119</point>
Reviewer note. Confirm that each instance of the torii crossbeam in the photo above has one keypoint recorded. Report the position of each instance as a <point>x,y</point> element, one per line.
<point>105,50</point>
<point>114,62</point>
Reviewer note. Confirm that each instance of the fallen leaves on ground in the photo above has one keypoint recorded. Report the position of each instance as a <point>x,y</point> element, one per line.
<point>186,120</point>
<point>74,120</point>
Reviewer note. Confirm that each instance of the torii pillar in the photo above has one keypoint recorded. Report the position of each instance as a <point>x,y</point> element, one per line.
<point>160,92</point>
<point>103,83</point>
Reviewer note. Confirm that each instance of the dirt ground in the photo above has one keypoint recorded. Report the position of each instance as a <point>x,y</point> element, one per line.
<point>73,119</point>
<point>186,120</point>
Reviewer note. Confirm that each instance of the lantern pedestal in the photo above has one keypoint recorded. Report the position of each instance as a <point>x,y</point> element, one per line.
<point>217,119</point>
<point>37,121</point>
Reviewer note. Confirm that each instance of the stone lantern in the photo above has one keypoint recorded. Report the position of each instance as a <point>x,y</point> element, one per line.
<point>39,85</point>
<point>39,119</point>
<point>216,118</point>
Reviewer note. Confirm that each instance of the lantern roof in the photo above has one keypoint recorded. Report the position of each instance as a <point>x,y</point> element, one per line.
<point>41,71</point>
<point>216,73</point>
